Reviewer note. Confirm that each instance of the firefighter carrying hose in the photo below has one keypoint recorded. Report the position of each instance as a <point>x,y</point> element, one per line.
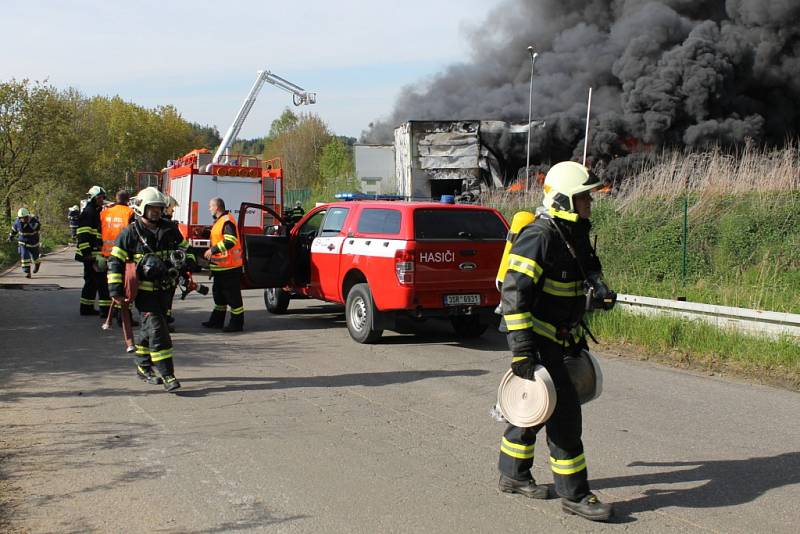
<point>225,259</point>
<point>89,252</point>
<point>26,231</point>
<point>553,276</point>
<point>159,251</point>
<point>113,219</point>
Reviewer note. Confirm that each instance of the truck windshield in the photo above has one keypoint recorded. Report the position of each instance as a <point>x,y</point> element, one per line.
<point>457,224</point>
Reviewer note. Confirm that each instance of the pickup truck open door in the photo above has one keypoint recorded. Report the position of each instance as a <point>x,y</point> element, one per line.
<point>265,258</point>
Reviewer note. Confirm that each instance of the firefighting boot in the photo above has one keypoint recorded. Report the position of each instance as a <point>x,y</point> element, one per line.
<point>217,319</point>
<point>36,266</point>
<point>146,374</point>
<point>527,488</point>
<point>88,309</point>
<point>589,508</point>
<point>171,383</point>
<point>27,274</point>
<point>236,323</point>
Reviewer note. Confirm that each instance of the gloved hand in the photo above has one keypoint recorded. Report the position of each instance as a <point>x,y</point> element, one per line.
<point>526,367</point>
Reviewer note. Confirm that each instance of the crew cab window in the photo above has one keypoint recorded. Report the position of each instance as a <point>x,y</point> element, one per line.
<point>311,226</point>
<point>379,221</point>
<point>453,224</point>
<point>334,221</point>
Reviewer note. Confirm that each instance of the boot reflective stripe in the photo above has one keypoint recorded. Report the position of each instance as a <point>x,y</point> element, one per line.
<point>220,307</point>
<point>524,265</point>
<point>237,311</point>
<point>87,302</point>
<point>145,285</point>
<point>516,359</point>
<point>141,350</point>
<point>563,289</point>
<point>516,450</point>
<point>159,355</point>
<point>569,466</point>
<point>518,321</point>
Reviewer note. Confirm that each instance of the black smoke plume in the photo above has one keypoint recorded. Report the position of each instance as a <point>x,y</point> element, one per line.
<point>668,73</point>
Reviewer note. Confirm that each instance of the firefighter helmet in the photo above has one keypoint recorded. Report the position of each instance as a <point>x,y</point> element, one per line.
<point>149,196</point>
<point>565,180</point>
<point>585,374</point>
<point>526,403</point>
<point>95,192</point>
<point>23,212</point>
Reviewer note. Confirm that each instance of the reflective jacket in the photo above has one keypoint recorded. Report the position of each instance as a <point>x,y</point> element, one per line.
<point>543,294</point>
<point>112,220</point>
<point>90,241</point>
<point>27,234</point>
<point>162,241</point>
<point>225,247</point>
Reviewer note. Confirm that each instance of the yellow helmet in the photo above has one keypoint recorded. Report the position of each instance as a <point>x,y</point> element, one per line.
<point>565,180</point>
<point>149,196</point>
<point>23,212</point>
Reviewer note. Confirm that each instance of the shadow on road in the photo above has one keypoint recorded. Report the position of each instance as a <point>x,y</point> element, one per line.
<point>725,483</point>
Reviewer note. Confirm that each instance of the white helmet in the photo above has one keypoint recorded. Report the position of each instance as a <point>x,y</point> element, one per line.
<point>96,191</point>
<point>565,180</point>
<point>23,212</point>
<point>149,196</point>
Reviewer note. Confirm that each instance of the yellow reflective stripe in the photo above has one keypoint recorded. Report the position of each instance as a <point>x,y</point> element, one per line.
<point>82,246</point>
<point>158,355</point>
<point>237,311</point>
<point>220,307</point>
<point>518,321</point>
<point>516,359</point>
<point>104,303</point>
<point>184,244</point>
<point>142,350</point>
<point>566,215</point>
<point>146,285</point>
<point>221,246</point>
<point>119,253</point>
<point>114,278</point>
<point>563,289</point>
<point>569,466</point>
<point>214,267</point>
<point>524,265</point>
<point>516,450</point>
<point>85,230</point>
<point>88,302</point>
<point>232,238</point>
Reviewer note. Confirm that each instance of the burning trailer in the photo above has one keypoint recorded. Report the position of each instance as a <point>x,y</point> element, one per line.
<point>464,157</point>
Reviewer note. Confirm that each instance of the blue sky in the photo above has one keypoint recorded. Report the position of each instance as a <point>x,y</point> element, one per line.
<point>202,56</point>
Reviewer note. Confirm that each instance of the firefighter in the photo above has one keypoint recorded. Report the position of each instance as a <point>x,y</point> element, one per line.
<point>73,214</point>
<point>89,252</point>
<point>225,259</point>
<point>544,299</point>
<point>113,219</point>
<point>151,243</point>
<point>26,231</point>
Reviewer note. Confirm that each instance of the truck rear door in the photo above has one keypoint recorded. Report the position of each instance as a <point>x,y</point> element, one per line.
<point>457,252</point>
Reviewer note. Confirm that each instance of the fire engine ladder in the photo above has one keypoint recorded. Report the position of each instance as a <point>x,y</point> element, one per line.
<point>299,96</point>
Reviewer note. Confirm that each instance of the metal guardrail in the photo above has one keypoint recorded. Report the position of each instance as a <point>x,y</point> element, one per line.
<point>771,323</point>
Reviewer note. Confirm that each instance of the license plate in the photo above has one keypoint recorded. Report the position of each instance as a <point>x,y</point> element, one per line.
<point>461,300</point>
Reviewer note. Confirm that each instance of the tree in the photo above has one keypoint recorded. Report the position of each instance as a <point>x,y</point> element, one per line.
<point>299,147</point>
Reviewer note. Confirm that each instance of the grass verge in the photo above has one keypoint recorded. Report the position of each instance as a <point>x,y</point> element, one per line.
<point>697,345</point>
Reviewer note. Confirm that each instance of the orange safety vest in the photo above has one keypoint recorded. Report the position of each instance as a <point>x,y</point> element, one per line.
<point>112,221</point>
<point>231,258</point>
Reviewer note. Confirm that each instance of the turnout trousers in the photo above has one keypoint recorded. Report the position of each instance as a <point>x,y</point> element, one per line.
<point>94,285</point>
<point>154,346</point>
<point>227,292</point>
<point>567,460</point>
<point>28,256</point>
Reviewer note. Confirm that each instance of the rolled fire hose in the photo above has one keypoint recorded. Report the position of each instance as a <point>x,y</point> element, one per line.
<point>585,374</point>
<point>526,403</point>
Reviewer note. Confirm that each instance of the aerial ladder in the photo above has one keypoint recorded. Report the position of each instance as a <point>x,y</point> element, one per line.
<point>300,97</point>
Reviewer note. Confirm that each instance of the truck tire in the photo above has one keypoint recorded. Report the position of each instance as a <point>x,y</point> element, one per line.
<point>277,300</point>
<point>359,313</point>
<point>468,326</point>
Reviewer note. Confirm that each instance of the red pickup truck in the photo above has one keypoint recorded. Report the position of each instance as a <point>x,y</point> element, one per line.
<point>384,260</point>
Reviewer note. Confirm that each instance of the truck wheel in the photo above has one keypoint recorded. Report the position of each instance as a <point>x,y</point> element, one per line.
<point>468,326</point>
<point>276,299</point>
<point>359,313</point>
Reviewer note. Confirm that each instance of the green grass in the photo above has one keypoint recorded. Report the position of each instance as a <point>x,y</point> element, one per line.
<point>700,345</point>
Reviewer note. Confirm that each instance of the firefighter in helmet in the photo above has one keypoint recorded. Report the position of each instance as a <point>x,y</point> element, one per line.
<point>225,259</point>
<point>26,231</point>
<point>89,251</point>
<point>159,251</point>
<point>552,268</point>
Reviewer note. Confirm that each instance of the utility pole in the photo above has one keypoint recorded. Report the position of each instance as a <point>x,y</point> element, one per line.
<point>530,109</point>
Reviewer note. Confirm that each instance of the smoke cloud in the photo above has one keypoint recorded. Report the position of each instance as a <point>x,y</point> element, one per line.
<point>664,73</point>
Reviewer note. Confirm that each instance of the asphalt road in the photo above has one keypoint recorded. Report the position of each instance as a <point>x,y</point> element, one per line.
<point>292,427</point>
